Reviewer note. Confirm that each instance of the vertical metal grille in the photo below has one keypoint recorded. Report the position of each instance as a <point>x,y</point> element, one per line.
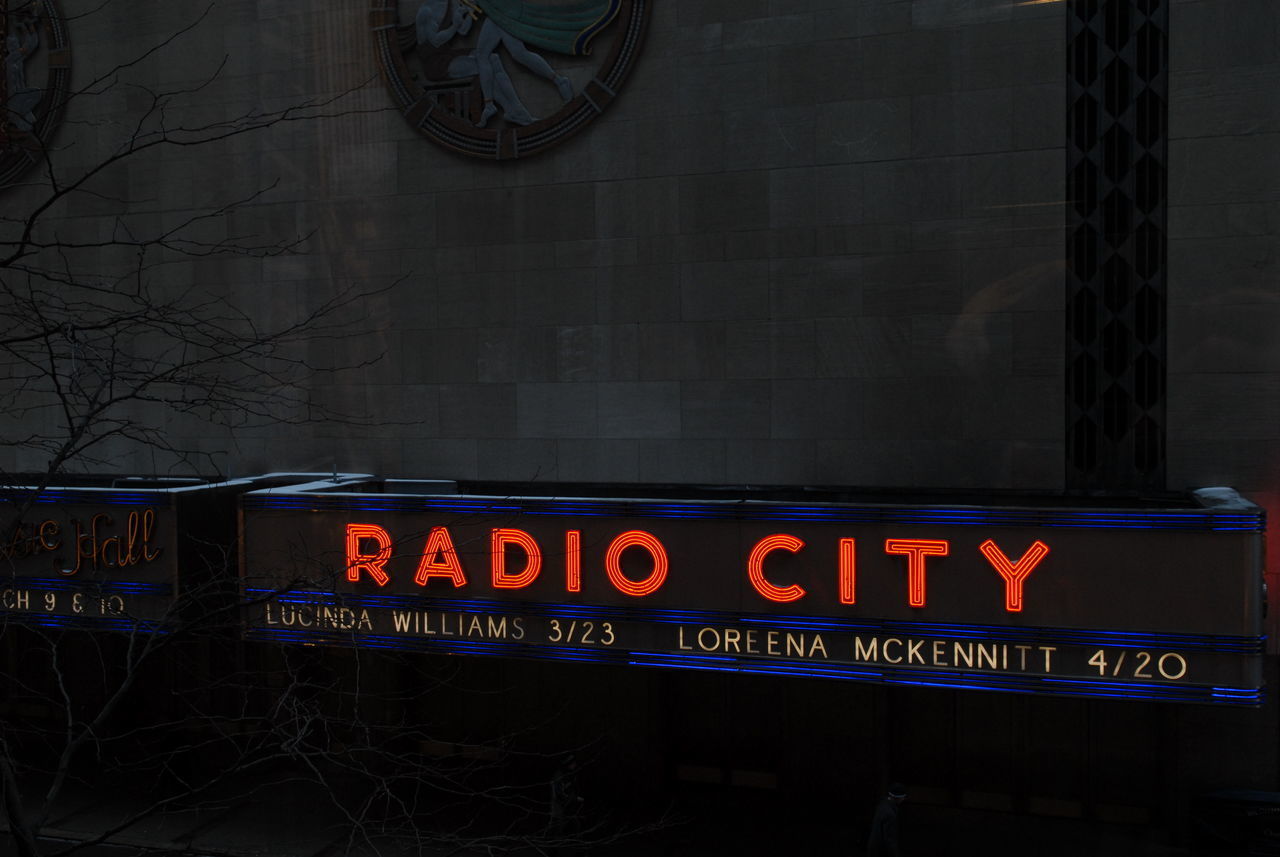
<point>1117,116</point>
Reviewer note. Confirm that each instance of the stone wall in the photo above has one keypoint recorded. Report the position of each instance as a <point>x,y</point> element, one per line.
<point>812,242</point>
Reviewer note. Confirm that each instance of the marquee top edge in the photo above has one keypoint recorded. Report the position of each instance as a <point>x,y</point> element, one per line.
<point>1213,509</point>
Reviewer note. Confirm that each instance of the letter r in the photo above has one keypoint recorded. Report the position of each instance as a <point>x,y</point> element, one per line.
<point>372,563</point>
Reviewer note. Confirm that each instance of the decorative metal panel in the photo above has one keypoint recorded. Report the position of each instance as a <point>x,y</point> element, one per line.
<point>1117,117</point>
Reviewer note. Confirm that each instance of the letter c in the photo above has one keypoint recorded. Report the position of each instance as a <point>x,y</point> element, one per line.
<point>755,567</point>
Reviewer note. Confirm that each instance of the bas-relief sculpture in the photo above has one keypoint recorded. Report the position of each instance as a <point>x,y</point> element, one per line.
<point>436,24</point>
<point>21,100</point>
<point>467,73</point>
<point>35,51</point>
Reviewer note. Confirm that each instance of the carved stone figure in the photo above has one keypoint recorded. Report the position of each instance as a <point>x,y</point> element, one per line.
<point>458,69</point>
<point>22,41</point>
<point>509,24</point>
<point>435,25</point>
<point>491,37</point>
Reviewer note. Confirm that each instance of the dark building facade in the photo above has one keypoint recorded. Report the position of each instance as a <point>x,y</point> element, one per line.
<point>934,258</point>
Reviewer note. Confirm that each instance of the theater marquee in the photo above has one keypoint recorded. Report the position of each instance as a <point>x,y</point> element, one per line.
<point>111,554</point>
<point>1152,603</point>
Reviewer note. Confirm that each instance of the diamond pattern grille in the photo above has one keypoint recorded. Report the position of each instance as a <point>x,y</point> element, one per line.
<point>1117,152</point>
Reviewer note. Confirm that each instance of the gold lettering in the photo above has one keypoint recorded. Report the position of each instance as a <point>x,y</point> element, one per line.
<point>865,653</point>
<point>885,650</point>
<point>715,640</point>
<point>913,652</point>
<point>1048,652</point>
<point>731,638</point>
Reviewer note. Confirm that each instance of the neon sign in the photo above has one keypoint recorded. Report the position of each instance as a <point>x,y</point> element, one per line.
<point>97,557</point>
<point>369,549</point>
<point>87,566</point>
<point>1157,604</point>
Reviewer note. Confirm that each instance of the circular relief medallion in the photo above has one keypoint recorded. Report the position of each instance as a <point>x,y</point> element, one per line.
<point>33,91</point>
<point>502,79</point>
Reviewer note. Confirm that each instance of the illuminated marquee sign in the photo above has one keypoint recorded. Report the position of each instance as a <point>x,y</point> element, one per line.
<point>107,556</point>
<point>1141,603</point>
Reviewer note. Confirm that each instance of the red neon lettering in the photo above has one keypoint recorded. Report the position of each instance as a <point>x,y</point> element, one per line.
<point>373,563</point>
<point>613,563</point>
<point>573,560</point>
<point>1014,573</point>
<point>848,571</point>
<point>755,567</point>
<point>916,550</point>
<point>439,559</point>
<point>498,541</point>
